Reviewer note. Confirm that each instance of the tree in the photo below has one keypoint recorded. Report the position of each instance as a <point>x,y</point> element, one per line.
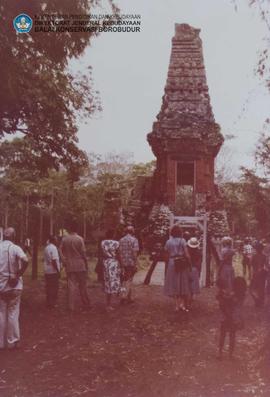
<point>158,227</point>
<point>262,153</point>
<point>235,205</point>
<point>39,96</point>
<point>247,203</point>
<point>257,199</point>
<point>224,170</point>
<point>263,68</point>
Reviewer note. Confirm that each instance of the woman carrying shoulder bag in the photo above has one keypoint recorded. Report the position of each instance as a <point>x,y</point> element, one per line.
<point>178,270</point>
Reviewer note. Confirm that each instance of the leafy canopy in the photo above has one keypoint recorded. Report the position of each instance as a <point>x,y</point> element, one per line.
<point>39,96</point>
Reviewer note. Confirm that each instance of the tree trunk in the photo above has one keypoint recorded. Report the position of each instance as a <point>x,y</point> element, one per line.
<point>41,227</point>
<point>36,242</point>
<point>208,264</point>
<point>21,226</point>
<point>27,216</point>
<point>35,258</point>
<point>6,217</point>
<point>84,227</point>
<point>51,213</point>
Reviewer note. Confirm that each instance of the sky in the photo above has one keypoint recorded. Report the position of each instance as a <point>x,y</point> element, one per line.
<point>130,71</point>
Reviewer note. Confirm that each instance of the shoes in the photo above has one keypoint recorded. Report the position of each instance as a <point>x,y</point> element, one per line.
<point>14,346</point>
<point>130,301</point>
<point>127,301</point>
<point>184,309</point>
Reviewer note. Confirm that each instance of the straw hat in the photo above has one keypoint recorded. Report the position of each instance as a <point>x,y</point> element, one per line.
<point>226,239</point>
<point>193,242</point>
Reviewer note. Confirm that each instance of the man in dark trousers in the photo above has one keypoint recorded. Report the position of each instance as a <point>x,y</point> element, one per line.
<point>51,271</point>
<point>156,256</point>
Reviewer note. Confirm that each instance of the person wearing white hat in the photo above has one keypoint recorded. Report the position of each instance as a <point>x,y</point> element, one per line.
<point>13,263</point>
<point>193,242</point>
<point>196,261</point>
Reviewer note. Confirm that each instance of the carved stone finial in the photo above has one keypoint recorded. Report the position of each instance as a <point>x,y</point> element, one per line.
<point>182,29</point>
<point>185,131</point>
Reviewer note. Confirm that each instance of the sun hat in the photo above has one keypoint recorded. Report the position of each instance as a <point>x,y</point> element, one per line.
<point>193,242</point>
<point>226,239</point>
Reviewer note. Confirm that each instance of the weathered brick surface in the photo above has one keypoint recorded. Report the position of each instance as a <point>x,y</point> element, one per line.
<point>185,129</point>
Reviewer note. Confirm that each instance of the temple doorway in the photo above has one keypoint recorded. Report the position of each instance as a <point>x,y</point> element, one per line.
<point>185,179</point>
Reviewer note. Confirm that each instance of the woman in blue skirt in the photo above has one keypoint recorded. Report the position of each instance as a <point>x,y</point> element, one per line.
<point>177,279</point>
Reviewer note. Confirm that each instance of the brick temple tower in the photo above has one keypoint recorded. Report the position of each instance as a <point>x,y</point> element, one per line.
<point>185,138</point>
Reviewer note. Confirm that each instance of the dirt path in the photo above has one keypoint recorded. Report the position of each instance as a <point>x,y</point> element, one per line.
<point>157,276</point>
<point>142,350</point>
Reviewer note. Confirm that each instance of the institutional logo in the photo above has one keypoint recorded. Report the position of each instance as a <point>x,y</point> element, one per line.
<point>23,23</point>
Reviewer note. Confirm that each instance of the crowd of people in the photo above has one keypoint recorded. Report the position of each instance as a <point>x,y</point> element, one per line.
<point>119,260</point>
<point>182,255</point>
<point>116,267</point>
<point>232,290</point>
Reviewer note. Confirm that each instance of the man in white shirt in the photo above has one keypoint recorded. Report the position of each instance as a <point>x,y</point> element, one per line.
<point>13,263</point>
<point>51,271</point>
<point>248,252</point>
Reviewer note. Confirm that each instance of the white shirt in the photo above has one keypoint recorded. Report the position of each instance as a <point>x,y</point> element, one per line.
<point>50,254</point>
<point>10,262</point>
<point>248,250</point>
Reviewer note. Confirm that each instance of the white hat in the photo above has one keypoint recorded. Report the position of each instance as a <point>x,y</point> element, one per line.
<point>193,242</point>
<point>226,239</point>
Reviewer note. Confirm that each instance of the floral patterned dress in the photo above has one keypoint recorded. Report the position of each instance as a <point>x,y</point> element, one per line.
<point>111,267</point>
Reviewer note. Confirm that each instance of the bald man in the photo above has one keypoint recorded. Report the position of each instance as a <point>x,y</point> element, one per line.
<point>13,263</point>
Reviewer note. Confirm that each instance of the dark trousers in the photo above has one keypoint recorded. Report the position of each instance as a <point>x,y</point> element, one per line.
<point>227,327</point>
<point>52,286</point>
<point>246,267</point>
<point>258,295</point>
<point>150,272</point>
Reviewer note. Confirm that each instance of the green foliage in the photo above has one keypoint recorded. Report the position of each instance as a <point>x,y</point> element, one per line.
<point>257,195</point>
<point>159,224</point>
<point>39,96</point>
<point>26,194</point>
<point>262,154</point>
<point>184,200</point>
<point>247,203</point>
